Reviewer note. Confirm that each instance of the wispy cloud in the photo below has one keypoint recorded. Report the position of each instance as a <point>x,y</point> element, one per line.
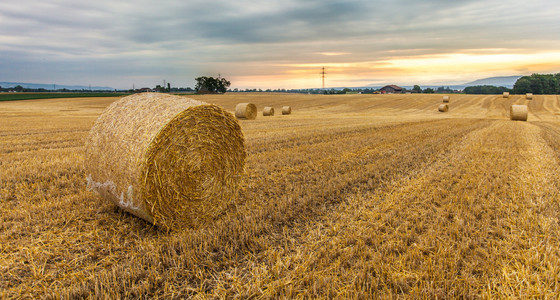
<point>334,53</point>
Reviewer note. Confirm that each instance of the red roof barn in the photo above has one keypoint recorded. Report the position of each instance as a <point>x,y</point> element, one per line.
<point>391,89</point>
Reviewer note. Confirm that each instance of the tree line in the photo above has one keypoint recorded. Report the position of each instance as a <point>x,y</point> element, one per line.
<point>538,84</point>
<point>485,90</point>
<point>21,89</point>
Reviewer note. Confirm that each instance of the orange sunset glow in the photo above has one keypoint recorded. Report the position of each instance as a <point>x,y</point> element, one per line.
<point>426,69</point>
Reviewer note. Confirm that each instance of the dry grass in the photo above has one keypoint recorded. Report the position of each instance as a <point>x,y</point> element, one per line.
<point>334,203</point>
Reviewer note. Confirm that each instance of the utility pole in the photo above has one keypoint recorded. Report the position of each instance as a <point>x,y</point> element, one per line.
<point>323,76</point>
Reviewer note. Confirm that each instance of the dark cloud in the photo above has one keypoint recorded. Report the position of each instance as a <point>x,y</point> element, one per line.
<point>148,39</point>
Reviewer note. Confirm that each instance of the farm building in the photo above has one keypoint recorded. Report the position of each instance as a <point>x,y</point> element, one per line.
<point>391,89</point>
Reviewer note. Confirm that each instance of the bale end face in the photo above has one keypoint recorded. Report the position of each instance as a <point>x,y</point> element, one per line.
<point>529,96</point>
<point>246,111</point>
<point>176,167</point>
<point>443,108</point>
<point>518,112</point>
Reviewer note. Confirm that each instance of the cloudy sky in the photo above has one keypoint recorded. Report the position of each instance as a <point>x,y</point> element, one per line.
<point>275,43</point>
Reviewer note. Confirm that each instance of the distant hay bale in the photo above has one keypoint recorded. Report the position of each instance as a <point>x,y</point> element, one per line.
<point>268,111</point>
<point>170,160</point>
<point>443,108</point>
<point>445,99</point>
<point>286,110</point>
<point>529,96</point>
<point>505,95</point>
<point>246,111</point>
<point>518,112</point>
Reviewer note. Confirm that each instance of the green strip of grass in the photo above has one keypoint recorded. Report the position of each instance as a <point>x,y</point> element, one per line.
<point>30,96</point>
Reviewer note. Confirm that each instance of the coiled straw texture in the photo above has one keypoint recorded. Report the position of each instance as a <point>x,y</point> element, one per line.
<point>268,111</point>
<point>518,112</point>
<point>170,160</point>
<point>246,111</point>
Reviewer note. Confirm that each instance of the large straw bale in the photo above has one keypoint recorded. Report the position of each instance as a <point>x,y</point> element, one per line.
<point>505,95</point>
<point>518,112</point>
<point>529,96</point>
<point>445,99</point>
<point>246,111</point>
<point>170,160</point>
<point>286,110</point>
<point>443,108</point>
<point>268,111</point>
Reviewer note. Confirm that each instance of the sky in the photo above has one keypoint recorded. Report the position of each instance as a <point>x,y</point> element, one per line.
<point>275,43</point>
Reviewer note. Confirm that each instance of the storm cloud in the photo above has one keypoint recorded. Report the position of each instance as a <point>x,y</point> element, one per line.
<point>263,43</point>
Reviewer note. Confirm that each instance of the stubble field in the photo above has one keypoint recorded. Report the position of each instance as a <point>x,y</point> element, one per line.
<point>353,196</point>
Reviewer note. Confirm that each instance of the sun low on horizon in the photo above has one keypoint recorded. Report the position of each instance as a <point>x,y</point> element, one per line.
<point>276,44</point>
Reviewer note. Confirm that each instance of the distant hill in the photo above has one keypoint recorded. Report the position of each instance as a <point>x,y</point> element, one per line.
<point>505,81</point>
<point>54,86</point>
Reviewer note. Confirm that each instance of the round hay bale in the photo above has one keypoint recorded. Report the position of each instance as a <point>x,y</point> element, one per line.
<point>518,112</point>
<point>268,111</point>
<point>443,108</point>
<point>505,95</point>
<point>529,96</point>
<point>445,99</point>
<point>286,110</point>
<point>170,160</point>
<point>246,111</point>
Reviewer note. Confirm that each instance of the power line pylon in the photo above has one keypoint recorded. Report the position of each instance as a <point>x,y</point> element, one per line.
<point>323,76</point>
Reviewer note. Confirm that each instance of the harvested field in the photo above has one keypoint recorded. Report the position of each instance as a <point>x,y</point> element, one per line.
<point>355,196</point>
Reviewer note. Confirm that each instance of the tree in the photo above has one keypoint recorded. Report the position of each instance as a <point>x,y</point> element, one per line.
<point>522,85</point>
<point>443,89</point>
<point>417,89</point>
<point>538,84</point>
<point>211,85</point>
<point>159,89</point>
<point>428,90</point>
<point>486,90</point>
